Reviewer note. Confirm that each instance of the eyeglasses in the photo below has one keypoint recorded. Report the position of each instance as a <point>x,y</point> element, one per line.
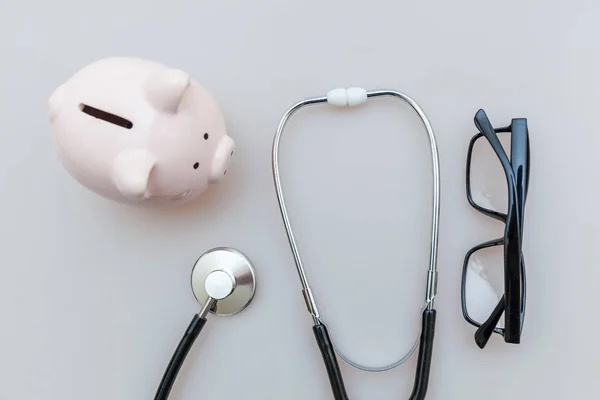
<point>475,291</point>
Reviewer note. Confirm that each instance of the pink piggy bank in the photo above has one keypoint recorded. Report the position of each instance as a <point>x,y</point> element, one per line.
<point>139,132</point>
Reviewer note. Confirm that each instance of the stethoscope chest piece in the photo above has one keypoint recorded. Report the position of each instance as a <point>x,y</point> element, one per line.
<point>224,283</point>
<point>227,275</point>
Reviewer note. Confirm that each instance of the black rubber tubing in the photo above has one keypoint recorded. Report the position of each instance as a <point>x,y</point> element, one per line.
<point>327,351</point>
<point>331,364</point>
<point>188,339</point>
<point>423,364</point>
<point>425,353</point>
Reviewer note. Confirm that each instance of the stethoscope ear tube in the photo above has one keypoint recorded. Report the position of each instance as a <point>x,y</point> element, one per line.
<point>354,97</point>
<point>425,353</point>
<point>179,356</point>
<point>423,364</point>
<point>331,364</point>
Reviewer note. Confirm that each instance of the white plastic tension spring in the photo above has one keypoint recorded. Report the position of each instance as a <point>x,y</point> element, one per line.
<point>342,97</point>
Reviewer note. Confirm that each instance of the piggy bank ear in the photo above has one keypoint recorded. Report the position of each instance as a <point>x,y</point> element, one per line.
<point>165,89</point>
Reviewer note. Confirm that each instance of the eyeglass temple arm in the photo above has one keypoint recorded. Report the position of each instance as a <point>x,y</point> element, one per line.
<point>484,332</point>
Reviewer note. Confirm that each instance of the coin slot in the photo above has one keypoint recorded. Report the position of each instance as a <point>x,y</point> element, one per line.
<point>106,116</point>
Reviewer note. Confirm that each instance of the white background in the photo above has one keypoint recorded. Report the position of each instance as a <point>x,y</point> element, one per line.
<point>94,296</point>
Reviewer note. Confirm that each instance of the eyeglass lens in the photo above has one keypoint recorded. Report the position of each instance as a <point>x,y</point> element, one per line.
<point>487,178</point>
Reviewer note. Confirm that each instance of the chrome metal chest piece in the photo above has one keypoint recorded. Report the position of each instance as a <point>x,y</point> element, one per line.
<point>224,283</point>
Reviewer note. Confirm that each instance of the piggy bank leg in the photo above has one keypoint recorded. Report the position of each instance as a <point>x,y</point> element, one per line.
<point>221,159</point>
<point>131,173</point>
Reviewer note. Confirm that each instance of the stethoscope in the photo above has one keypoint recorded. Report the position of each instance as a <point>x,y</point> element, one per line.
<point>223,282</point>
<point>354,97</point>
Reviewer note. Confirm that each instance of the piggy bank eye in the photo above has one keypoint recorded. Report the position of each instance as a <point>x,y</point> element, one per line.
<point>196,165</point>
<point>206,136</point>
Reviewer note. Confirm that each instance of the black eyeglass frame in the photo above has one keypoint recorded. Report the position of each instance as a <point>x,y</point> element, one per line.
<point>516,169</point>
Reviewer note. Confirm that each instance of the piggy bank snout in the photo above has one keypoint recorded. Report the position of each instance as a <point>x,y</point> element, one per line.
<point>131,173</point>
<point>222,158</point>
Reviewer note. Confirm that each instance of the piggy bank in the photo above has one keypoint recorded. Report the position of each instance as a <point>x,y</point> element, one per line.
<point>139,132</point>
